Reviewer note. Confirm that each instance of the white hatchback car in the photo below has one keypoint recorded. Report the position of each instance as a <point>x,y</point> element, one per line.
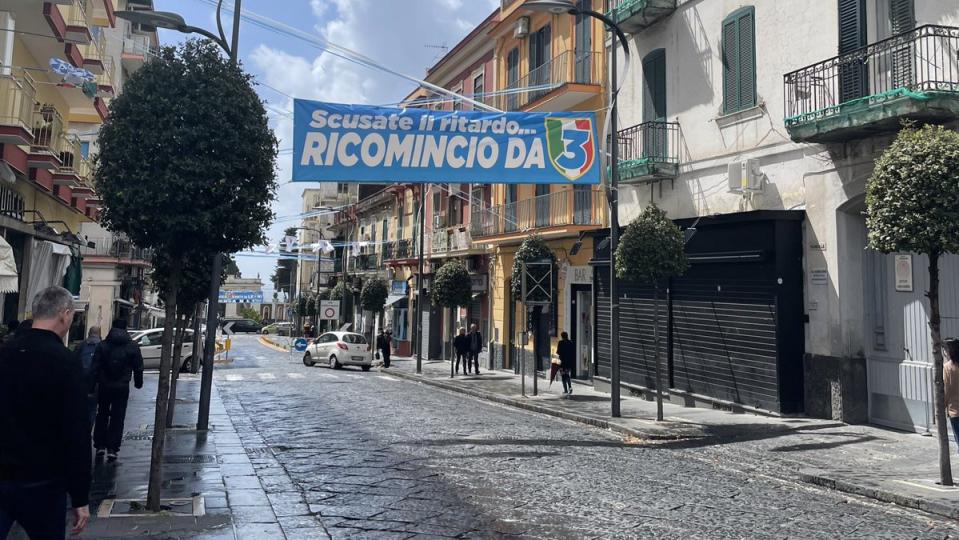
<point>149,342</point>
<point>339,349</point>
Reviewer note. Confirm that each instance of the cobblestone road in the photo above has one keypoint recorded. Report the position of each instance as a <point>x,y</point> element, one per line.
<point>364,455</point>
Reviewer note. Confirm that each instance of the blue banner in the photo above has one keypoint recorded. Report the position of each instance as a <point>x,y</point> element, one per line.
<point>358,143</point>
<point>241,297</point>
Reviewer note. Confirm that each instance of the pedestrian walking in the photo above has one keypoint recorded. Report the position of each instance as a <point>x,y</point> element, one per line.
<point>950,379</point>
<point>461,346</point>
<point>116,360</point>
<point>44,428</point>
<point>84,355</point>
<point>567,361</point>
<point>384,344</point>
<point>476,347</point>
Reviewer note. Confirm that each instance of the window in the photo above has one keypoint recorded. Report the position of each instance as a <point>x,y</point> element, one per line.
<point>542,205</point>
<point>400,218</point>
<point>457,102</point>
<point>342,188</point>
<point>85,149</point>
<point>479,88</point>
<point>512,77</point>
<point>539,61</point>
<point>739,60</point>
<point>354,339</point>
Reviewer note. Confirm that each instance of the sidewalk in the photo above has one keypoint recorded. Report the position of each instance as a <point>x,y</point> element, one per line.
<point>882,464</point>
<point>196,472</point>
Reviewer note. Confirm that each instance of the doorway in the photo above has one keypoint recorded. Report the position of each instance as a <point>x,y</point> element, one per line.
<point>581,329</point>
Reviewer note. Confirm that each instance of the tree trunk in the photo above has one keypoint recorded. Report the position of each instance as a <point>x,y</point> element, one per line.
<point>659,366</point>
<point>182,323</point>
<point>163,388</point>
<point>945,467</point>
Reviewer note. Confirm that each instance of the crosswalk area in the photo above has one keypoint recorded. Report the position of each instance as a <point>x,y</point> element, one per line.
<point>276,377</point>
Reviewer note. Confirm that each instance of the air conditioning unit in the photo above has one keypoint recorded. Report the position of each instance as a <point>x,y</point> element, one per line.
<point>521,29</point>
<point>745,176</point>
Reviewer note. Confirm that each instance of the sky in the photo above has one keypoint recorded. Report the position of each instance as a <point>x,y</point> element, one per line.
<point>406,35</point>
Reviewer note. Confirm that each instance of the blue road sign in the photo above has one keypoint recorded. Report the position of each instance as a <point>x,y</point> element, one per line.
<point>300,345</point>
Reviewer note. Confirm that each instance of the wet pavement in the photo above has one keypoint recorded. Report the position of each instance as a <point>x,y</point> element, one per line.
<point>348,454</point>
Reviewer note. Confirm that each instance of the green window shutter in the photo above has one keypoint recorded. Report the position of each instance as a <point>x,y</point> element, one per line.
<point>654,86</point>
<point>747,60</point>
<point>730,67</point>
<point>902,15</point>
<point>852,36</point>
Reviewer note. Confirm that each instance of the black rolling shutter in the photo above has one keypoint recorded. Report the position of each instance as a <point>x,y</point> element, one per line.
<point>852,36</point>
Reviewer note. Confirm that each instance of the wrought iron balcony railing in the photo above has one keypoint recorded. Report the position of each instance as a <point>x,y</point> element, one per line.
<point>648,150</point>
<point>920,65</point>
<point>565,68</point>
<point>569,207</point>
<point>17,95</point>
<point>633,15</point>
<point>115,247</point>
<point>400,249</point>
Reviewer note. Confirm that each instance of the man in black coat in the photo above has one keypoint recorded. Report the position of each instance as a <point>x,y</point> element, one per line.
<point>476,347</point>
<point>461,346</point>
<point>567,361</point>
<point>115,361</point>
<point>44,428</point>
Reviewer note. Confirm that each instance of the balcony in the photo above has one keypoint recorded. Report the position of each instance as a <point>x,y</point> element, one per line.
<point>635,15</point>
<point>452,240</point>
<point>69,21</point>
<point>914,75</point>
<point>648,152</point>
<point>122,250</point>
<point>400,250</point>
<point>563,82</point>
<point>47,132</point>
<point>365,262</point>
<point>72,162</point>
<point>106,78</point>
<point>137,49</point>
<point>566,211</point>
<point>93,54</point>
<point>17,95</point>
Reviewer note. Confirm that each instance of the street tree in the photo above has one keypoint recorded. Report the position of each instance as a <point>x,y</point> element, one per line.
<point>373,296</point>
<point>533,250</point>
<point>452,288</point>
<point>651,251</point>
<point>186,164</point>
<point>912,205</point>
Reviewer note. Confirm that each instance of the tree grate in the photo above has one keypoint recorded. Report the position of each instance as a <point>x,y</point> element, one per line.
<point>183,459</point>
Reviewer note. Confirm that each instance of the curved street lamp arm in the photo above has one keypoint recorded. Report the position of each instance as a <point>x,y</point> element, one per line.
<point>219,23</point>
<point>209,35</point>
<point>612,25</point>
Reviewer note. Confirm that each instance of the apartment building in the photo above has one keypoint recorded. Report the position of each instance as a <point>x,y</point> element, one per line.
<point>543,62</point>
<point>315,268</point>
<point>756,125</point>
<point>48,124</point>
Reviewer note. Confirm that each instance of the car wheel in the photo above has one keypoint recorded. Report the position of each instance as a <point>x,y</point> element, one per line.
<point>334,363</point>
<point>365,368</point>
<point>308,360</point>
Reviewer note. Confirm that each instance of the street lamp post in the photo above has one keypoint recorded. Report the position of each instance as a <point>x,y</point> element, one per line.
<point>173,21</point>
<point>568,6</point>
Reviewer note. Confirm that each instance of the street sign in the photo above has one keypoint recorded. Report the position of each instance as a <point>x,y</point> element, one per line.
<point>330,309</point>
<point>228,328</point>
<point>300,344</point>
<point>241,297</point>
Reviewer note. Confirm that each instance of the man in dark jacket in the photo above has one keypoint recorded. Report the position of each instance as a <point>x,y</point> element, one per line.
<point>44,429</point>
<point>116,359</point>
<point>476,346</point>
<point>384,344</point>
<point>567,361</point>
<point>461,346</point>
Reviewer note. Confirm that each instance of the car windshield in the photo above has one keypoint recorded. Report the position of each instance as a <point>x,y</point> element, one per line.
<point>354,339</point>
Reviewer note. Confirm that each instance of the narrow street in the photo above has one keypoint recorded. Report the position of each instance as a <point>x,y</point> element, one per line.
<point>367,455</point>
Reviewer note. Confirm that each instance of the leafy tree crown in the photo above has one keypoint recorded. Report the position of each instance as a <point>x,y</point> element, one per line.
<point>651,249</point>
<point>912,198</point>
<point>338,291</point>
<point>452,286</point>
<point>532,249</point>
<point>187,156</point>
<point>374,293</point>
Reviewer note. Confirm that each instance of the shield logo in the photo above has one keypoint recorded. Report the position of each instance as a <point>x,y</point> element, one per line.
<point>572,149</point>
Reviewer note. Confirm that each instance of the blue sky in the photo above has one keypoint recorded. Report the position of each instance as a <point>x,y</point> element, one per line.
<point>399,33</point>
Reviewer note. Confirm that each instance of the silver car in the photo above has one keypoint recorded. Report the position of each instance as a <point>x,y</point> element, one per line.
<point>149,342</point>
<point>338,349</point>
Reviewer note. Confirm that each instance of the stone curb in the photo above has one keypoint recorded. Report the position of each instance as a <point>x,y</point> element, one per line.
<point>594,421</point>
<point>822,479</point>
<point>266,342</point>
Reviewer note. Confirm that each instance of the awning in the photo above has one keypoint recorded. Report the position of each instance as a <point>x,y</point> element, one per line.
<point>123,302</point>
<point>9,280</point>
<point>394,298</point>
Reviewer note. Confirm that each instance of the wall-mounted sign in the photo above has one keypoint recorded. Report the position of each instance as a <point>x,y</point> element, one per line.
<point>241,297</point>
<point>360,143</point>
<point>904,272</point>
<point>579,275</point>
<point>819,276</point>
<point>479,283</point>
<point>399,287</point>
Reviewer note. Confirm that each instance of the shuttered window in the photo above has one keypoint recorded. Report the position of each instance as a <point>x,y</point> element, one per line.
<point>739,60</point>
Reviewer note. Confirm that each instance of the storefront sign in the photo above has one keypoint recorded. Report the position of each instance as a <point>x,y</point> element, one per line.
<point>478,282</point>
<point>904,272</point>
<point>241,297</point>
<point>579,275</point>
<point>399,288</point>
<point>360,143</point>
<point>819,276</point>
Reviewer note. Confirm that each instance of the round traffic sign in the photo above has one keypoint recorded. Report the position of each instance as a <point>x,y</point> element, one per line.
<point>329,313</point>
<point>300,344</point>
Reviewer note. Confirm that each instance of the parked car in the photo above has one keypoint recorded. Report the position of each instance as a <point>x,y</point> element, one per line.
<point>338,349</point>
<point>241,326</point>
<point>149,342</point>
<point>278,328</point>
